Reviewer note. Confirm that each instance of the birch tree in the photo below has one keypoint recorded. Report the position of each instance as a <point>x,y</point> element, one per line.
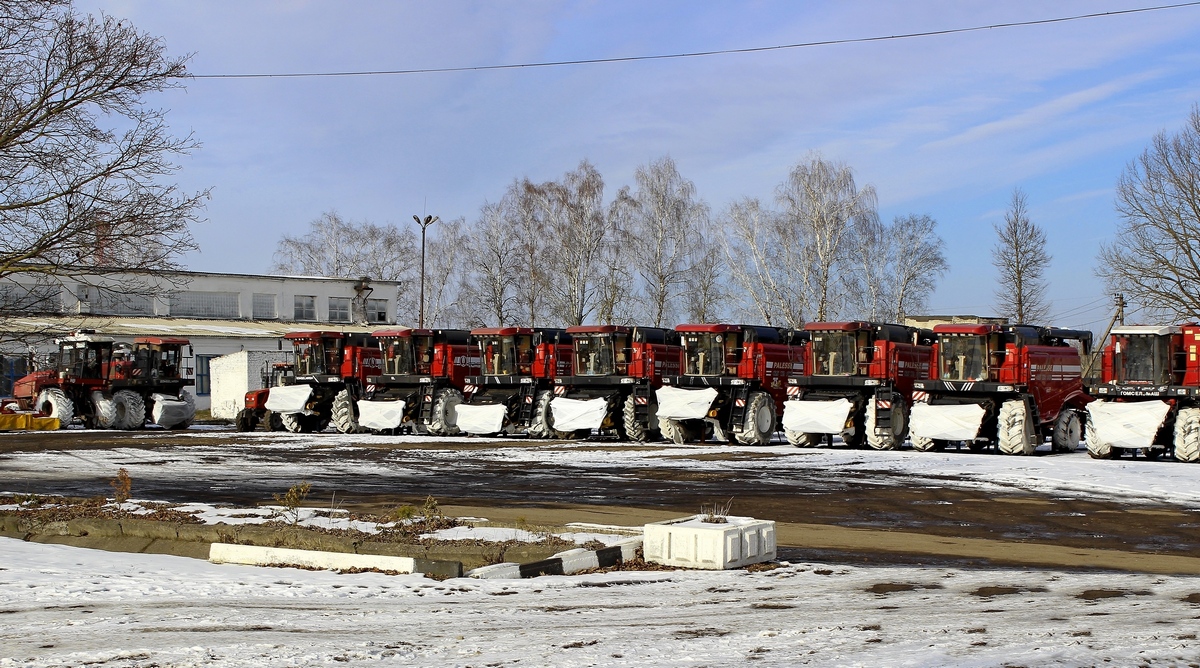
<point>493,270</point>
<point>1021,258</point>
<point>577,228</point>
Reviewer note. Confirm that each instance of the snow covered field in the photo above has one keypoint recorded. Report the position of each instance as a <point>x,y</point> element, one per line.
<point>69,606</point>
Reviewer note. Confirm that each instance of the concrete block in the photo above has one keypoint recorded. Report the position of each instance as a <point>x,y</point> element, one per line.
<point>690,542</point>
<point>226,553</point>
<point>579,559</point>
<point>505,571</point>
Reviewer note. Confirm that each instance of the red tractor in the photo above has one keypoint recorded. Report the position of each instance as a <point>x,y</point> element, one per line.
<point>616,372</point>
<point>859,384</point>
<point>1148,397</point>
<point>110,385</point>
<point>513,390</point>
<point>734,380</point>
<point>331,370</point>
<point>423,375</point>
<point>1007,385</point>
<point>273,374</point>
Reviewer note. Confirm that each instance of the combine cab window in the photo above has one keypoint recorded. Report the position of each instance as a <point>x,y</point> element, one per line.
<point>423,351</point>
<point>506,355</point>
<point>397,356</point>
<point>1142,359</point>
<point>836,353</point>
<point>594,355</point>
<point>310,358</point>
<point>710,354</point>
<point>963,357</point>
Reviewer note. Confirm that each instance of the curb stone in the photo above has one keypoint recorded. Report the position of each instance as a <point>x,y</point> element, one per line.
<point>563,563</point>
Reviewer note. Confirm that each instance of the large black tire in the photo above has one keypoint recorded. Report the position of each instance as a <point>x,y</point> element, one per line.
<point>1096,447</point>
<point>274,421</point>
<point>445,420</point>
<point>246,420</point>
<point>1014,429</point>
<point>1187,435</point>
<point>297,423</point>
<point>543,419</point>
<point>53,402</point>
<point>892,439</point>
<point>345,417</point>
<point>758,426</point>
<point>634,430</point>
<point>104,411</point>
<point>802,439</point>
<point>1067,431</point>
<point>130,408</point>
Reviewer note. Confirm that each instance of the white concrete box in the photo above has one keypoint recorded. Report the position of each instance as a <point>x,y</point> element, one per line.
<point>690,542</point>
<point>236,374</point>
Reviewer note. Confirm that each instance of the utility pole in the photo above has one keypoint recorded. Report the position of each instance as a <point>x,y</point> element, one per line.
<point>424,223</point>
<point>1118,317</point>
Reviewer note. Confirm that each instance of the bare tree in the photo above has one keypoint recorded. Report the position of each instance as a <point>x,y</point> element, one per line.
<point>83,161</point>
<point>1155,257</point>
<point>576,228</point>
<point>490,289</point>
<point>917,261</point>
<point>764,265</point>
<point>446,250</point>
<point>707,296</point>
<point>1020,256</point>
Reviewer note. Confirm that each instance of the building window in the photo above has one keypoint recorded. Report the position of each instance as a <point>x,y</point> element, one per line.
<point>339,309</point>
<point>306,307</point>
<point>203,377</point>
<point>220,305</point>
<point>377,310</point>
<point>264,307</point>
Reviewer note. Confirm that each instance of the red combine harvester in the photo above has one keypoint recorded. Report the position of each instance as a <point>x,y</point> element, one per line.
<point>617,369</point>
<point>423,376</point>
<point>273,374</point>
<point>513,390</point>
<point>331,370</point>
<point>1148,398</point>
<point>859,384</point>
<point>734,379</point>
<point>1008,385</point>
<point>110,385</point>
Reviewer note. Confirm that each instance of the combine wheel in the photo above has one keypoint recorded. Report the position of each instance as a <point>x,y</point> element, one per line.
<point>679,431</point>
<point>104,411</point>
<point>53,402</point>
<point>297,423</point>
<point>187,398</point>
<point>131,410</point>
<point>758,427</point>
<point>445,419</point>
<point>1066,431</point>
<point>274,421</point>
<point>1014,429</point>
<point>922,444</point>
<point>343,414</point>
<point>802,439</point>
<point>893,439</point>
<point>246,420</point>
<point>543,419</point>
<point>1187,435</point>
<point>1097,448</point>
<point>634,430</point>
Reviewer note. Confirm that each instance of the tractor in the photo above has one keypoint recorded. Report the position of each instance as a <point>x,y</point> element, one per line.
<point>1148,397</point>
<point>515,384</point>
<point>617,369</point>
<point>423,375</point>
<point>273,374</point>
<point>331,369</point>
<point>112,385</point>
<point>733,380</point>
<point>1011,386</point>
<point>859,384</point>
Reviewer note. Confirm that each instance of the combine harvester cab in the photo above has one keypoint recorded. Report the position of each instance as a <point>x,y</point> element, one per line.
<point>110,385</point>
<point>612,386</point>
<point>273,374</point>
<point>1148,398</point>
<point>859,384</point>
<point>1011,386</point>
<point>515,384</point>
<point>734,380</point>
<point>421,382</point>
<point>331,370</point>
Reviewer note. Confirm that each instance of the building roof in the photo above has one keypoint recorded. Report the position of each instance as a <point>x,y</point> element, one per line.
<point>190,328</point>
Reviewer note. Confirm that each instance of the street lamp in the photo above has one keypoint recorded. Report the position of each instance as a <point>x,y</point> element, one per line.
<point>424,223</point>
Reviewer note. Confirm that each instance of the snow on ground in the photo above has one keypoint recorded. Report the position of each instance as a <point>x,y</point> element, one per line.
<point>72,606</point>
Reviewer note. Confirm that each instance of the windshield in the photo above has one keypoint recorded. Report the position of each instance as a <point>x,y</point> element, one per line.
<point>423,353</point>
<point>962,357</point>
<point>710,354</point>
<point>1141,358</point>
<point>835,353</point>
<point>397,356</point>
<point>594,355</point>
<point>162,363</point>
<point>506,355</point>
<point>310,358</point>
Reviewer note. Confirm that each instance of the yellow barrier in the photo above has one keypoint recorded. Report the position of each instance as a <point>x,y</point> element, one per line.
<point>24,421</point>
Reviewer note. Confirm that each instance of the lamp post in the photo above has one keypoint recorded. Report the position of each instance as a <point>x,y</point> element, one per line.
<point>424,223</point>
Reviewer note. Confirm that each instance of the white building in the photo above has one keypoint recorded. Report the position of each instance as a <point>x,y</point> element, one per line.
<point>218,313</point>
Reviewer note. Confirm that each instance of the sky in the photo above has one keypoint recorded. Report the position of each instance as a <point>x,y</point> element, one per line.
<point>945,125</point>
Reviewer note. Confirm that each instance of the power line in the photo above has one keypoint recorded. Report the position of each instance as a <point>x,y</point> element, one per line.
<point>697,54</point>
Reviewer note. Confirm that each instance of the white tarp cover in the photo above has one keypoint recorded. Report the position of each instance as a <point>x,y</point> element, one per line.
<point>169,411</point>
<point>816,417</point>
<point>949,422</point>
<point>680,404</point>
<point>1127,424</point>
<point>289,399</point>
<point>488,419</point>
<point>380,414</point>
<point>572,414</point>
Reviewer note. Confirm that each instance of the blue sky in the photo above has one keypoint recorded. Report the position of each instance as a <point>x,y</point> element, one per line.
<point>945,126</point>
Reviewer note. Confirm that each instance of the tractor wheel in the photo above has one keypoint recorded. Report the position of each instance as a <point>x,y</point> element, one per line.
<point>681,431</point>
<point>892,439</point>
<point>297,423</point>
<point>445,419</point>
<point>1014,429</point>
<point>187,398</point>
<point>922,444</point>
<point>343,414</point>
<point>104,411</point>
<point>246,420</point>
<point>543,419</point>
<point>802,439</point>
<point>1066,431</point>
<point>1187,435</point>
<point>634,430</point>
<point>758,427</point>
<point>53,402</point>
<point>131,410</point>
<point>1098,449</point>
<point>274,421</point>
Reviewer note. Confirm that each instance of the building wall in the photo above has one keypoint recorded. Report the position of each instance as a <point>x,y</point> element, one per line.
<point>234,375</point>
